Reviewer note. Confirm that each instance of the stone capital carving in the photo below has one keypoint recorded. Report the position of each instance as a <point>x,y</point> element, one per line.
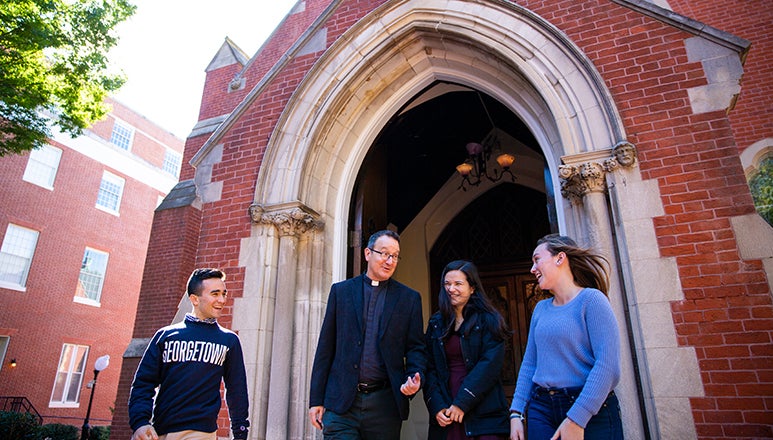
<point>588,173</point>
<point>578,180</point>
<point>290,219</point>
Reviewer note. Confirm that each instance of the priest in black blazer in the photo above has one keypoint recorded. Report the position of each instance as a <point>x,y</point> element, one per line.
<point>370,357</point>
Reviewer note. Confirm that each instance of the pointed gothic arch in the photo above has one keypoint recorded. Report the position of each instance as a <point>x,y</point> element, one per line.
<point>399,49</point>
<point>326,129</point>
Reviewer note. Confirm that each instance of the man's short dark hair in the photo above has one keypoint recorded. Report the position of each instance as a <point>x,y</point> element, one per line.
<point>199,275</point>
<point>379,234</point>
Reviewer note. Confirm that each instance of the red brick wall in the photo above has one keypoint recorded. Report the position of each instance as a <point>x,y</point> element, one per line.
<point>150,141</point>
<point>216,100</point>
<point>752,20</point>
<point>45,316</point>
<point>170,260</point>
<point>120,429</point>
<point>726,315</point>
<point>149,128</point>
<point>245,143</point>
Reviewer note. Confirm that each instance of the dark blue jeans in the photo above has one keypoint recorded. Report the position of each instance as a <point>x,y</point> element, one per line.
<point>548,407</point>
<point>372,416</point>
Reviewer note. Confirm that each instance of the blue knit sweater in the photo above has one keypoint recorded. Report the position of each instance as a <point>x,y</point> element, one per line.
<point>573,345</point>
<point>187,362</point>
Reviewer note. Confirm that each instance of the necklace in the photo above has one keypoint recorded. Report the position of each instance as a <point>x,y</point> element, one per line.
<point>458,322</point>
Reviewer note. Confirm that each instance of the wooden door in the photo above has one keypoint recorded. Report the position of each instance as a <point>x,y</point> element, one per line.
<point>514,292</point>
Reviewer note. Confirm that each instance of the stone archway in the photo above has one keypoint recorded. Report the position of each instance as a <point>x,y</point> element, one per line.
<point>312,160</point>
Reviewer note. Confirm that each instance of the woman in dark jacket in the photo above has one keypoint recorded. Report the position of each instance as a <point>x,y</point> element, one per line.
<point>465,347</point>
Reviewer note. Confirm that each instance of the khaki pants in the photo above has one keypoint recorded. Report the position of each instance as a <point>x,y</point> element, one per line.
<point>189,435</point>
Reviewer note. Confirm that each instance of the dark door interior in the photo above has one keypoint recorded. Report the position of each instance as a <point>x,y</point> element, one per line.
<point>412,158</point>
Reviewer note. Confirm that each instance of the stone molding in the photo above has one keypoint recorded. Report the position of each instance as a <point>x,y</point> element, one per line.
<point>588,172</point>
<point>290,219</point>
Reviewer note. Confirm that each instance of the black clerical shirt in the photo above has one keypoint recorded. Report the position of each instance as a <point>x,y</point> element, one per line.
<point>372,367</point>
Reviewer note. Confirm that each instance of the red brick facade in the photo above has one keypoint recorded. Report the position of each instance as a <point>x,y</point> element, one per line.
<point>42,317</point>
<point>750,119</point>
<point>726,315</point>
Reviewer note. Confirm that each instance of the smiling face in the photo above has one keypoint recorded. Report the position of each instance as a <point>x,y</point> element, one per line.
<point>382,265</point>
<point>210,301</point>
<point>545,266</point>
<point>458,289</point>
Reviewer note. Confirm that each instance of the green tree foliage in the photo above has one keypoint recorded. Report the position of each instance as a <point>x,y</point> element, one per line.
<point>761,185</point>
<point>53,60</point>
<point>58,431</point>
<point>17,426</point>
<point>99,433</point>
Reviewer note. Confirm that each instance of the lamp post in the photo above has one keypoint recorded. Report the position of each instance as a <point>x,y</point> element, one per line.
<point>100,364</point>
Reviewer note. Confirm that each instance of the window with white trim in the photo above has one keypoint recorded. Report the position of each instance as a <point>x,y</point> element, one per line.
<point>172,160</point>
<point>69,375</point>
<point>16,256</point>
<point>122,135</point>
<point>42,166</point>
<point>92,276</point>
<point>110,193</point>
<point>4,340</point>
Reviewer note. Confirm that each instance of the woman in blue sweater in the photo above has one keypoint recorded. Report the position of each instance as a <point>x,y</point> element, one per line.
<point>465,343</point>
<point>572,359</point>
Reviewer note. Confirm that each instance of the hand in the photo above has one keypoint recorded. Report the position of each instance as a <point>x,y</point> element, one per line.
<point>455,414</point>
<point>516,429</point>
<point>568,430</point>
<point>315,415</point>
<point>442,418</point>
<point>411,385</point>
<point>145,432</point>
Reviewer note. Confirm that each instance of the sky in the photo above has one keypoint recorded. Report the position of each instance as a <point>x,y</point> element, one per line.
<point>166,45</point>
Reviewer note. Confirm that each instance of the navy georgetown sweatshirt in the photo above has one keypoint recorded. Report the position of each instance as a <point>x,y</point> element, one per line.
<point>187,361</point>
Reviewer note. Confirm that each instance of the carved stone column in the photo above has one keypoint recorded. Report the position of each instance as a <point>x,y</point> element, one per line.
<point>293,221</point>
<point>584,183</point>
<point>586,180</point>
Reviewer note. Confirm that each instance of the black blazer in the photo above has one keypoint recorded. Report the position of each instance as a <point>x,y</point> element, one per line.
<point>339,350</point>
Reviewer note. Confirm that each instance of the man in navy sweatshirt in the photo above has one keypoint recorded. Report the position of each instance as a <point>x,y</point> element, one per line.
<point>186,362</point>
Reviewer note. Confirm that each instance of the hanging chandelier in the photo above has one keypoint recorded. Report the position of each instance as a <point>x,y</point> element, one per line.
<point>475,168</point>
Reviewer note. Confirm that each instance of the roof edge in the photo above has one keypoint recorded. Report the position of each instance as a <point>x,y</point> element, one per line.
<point>228,54</point>
<point>726,39</point>
<point>288,56</point>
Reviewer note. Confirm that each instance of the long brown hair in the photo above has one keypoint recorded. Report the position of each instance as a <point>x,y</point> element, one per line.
<point>479,305</point>
<point>589,268</point>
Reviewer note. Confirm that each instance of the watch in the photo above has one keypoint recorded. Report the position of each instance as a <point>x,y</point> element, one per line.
<point>517,415</point>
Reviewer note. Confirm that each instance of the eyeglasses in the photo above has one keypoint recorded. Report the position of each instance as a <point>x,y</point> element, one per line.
<point>386,256</point>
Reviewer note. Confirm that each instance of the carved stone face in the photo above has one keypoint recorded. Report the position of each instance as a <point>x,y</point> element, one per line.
<point>625,153</point>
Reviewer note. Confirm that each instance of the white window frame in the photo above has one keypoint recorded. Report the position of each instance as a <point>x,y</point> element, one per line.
<point>70,372</point>
<point>4,342</point>
<point>122,135</point>
<point>42,166</point>
<point>103,194</point>
<point>88,271</point>
<point>18,243</point>
<point>172,162</point>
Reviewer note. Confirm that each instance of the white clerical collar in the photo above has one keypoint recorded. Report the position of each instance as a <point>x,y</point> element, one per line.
<point>374,283</point>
